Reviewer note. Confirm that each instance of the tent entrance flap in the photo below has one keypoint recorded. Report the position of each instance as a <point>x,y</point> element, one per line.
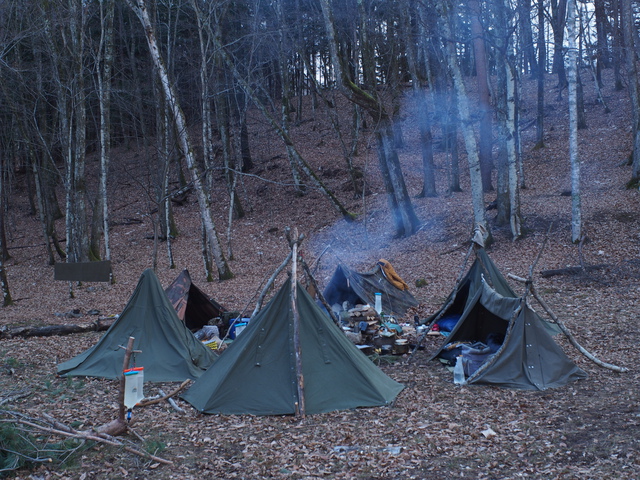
<point>523,355</point>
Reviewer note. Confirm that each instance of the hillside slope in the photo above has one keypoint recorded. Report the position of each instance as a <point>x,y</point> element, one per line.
<point>585,430</point>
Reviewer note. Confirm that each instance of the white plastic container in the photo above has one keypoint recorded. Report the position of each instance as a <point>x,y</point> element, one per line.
<point>133,384</point>
<point>378,305</point>
<point>458,372</point>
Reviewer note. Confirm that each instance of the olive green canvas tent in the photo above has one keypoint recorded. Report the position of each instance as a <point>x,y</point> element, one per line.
<point>168,351</point>
<point>193,307</point>
<point>257,373</point>
<point>484,305</point>
<point>357,287</point>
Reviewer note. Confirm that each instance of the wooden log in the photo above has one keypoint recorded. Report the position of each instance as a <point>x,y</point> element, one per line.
<point>171,401</point>
<point>571,270</point>
<point>53,330</point>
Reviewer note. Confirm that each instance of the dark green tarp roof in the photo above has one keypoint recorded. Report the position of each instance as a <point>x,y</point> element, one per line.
<point>529,358</point>
<point>257,375</point>
<point>169,351</point>
<point>356,287</point>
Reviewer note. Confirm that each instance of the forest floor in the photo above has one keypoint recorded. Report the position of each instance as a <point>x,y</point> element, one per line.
<point>584,430</point>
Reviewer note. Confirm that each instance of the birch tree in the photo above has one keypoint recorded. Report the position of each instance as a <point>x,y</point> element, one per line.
<point>508,191</point>
<point>180,123</point>
<point>542,61</point>
<point>104,65</point>
<point>473,158</point>
<point>576,210</point>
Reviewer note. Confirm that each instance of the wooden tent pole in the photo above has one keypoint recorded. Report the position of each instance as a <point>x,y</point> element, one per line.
<point>125,365</point>
<point>564,328</point>
<point>269,284</point>
<point>296,322</point>
<point>323,300</point>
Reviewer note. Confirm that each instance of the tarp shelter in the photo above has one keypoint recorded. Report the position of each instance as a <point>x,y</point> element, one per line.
<point>194,308</point>
<point>169,352</point>
<point>361,288</point>
<point>256,374</point>
<point>528,358</point>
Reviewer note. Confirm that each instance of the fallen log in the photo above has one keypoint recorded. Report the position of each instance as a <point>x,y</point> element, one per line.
<point>571,270</point>
<point>54,330</point>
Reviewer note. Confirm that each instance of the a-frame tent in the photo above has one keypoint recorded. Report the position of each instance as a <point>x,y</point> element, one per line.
<point>361,287</point>
<point>168,351</point>
<point>257,375</point>
<point>194,308</point>
<point>529,358</point>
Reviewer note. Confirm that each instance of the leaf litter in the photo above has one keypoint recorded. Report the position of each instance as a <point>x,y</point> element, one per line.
<point>435,429</point>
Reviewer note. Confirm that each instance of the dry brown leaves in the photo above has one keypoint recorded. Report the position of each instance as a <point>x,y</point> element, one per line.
<point>435,429</point>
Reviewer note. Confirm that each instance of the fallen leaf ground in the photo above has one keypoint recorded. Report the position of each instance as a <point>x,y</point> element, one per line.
<point>585,430</point>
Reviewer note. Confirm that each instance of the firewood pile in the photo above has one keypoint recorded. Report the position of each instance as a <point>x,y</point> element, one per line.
<point>375,333</point>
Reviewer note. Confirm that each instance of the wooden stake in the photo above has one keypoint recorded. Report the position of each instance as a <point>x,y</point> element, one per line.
<point>564,328</point>
<point>296,323</point>
<point>127,358</point>
<point>323,300</point>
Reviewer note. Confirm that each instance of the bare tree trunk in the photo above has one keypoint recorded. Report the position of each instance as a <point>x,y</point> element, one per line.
<point>104,93</point>
<point>576,210</point>
<point>542,67</point>
<point>405,219</point>
<point>558,21</point>
<point>529,63</point>
<point>630,36</point>
<point>224,272</point>
<point>4,284</point>
<point>602,47</point>
<point>80,239</point>
<point>418,84</point>
<point>618,55</point>
<point>515,220</point>
<point>477,193</point>
<point>485,113</point>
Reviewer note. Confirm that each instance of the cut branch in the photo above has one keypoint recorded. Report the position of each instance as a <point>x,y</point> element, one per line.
<point>563,327</point>
<point>164,396</point>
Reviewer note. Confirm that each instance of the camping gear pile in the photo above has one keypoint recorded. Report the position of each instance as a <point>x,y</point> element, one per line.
<point>355,298</point>
<point>357,288</point>
<point>374,333</point>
